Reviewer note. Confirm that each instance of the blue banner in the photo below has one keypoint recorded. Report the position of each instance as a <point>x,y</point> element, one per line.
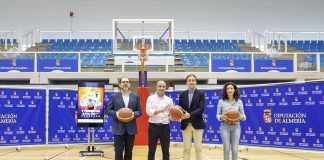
<point>18,65</point>
<point>231,65</point>
<point>287,115</point>
<point>273,65</point>
<point>175,132</point>
<point>62,103</point>
<point>284,116</point>
<point>54,65</point>
<point>22,116</point>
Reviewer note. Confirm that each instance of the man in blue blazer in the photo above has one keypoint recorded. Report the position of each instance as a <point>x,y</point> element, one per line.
<point>124,132</point>
<point>192,124</point>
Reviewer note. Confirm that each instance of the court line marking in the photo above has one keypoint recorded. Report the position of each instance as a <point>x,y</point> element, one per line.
<point>177,158</point>
<point>7,153</point>
<point>251,156</point>
<point>289,154</point>
<point>59,154</point>
<point>206,156</point>
<point>32,157</point>
<point>285,149</point>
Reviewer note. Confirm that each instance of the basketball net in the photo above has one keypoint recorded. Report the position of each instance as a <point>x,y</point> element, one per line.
<point>143,52</point>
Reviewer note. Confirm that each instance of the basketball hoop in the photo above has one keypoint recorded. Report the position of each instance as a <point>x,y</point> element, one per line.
<point>143,52</point>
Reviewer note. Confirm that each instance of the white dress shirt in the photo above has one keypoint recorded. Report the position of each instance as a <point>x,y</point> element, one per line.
<point>153,103</point>
<point>126,99</point>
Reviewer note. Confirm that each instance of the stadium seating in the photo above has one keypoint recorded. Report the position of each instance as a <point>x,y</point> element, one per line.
<point>93,59</point>
<point>81,45</point>
<point>180,45</point>
<point>201,59</point>
<point>8,40</point>
<point>194,59</point>
<point>87,59</point>
<point>57,56</point>
<point>306,45</point>
<point>205,45</point>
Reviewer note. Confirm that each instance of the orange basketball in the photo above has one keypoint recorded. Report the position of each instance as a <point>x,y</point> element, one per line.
<point>125,114</point>
<point>232,115</point>
<point>176,113</point>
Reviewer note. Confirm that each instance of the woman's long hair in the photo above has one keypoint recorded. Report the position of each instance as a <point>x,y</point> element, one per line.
<point>236,94</point>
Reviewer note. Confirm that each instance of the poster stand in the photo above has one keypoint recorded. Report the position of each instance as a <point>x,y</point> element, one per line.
<point>90,113</point>
<point>90,149</point>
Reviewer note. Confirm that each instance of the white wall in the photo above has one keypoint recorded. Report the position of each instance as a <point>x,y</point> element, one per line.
<point>205,15</point>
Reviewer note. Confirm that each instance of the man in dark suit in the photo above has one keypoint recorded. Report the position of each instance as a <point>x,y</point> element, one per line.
<point>124,132</point>
<point>192,124</point>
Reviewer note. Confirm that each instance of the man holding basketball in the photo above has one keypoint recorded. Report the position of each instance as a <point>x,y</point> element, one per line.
<point>157,108</point>
<point>124,131</point>
<point>192,124</point>
<point>230,130</point>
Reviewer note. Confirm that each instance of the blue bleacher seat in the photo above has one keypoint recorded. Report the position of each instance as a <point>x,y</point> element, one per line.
<point>241,41</point>
<point>45,41</point>
<point>79,45</point>
<point>220,41</point>
<point>96,41</point>
<point>206,46</point>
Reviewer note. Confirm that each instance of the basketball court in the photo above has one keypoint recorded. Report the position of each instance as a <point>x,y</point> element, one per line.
<point>60,152</point>
<point>279,74</point>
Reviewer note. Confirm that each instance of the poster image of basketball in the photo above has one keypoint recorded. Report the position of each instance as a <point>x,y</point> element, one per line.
<point>90,98</point>
<point>90,104</point>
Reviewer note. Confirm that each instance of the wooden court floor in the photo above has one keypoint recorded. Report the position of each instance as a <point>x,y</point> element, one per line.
<point>60,152</point>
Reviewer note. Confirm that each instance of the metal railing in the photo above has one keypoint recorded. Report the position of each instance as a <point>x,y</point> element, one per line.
<point>29,39</point>
<point>210,35</point>
<point>302,62</point>
<point>8,37</point>
<point>256,39</point>
<point>271,37</point>
<point>75,35</point>
<point>302,35</point>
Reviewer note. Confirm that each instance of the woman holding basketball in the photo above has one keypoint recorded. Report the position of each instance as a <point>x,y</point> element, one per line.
<point>229,112</point>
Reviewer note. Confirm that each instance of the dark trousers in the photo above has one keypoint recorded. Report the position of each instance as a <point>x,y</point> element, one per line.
<point>122,142</point>
<point>155,132</point>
